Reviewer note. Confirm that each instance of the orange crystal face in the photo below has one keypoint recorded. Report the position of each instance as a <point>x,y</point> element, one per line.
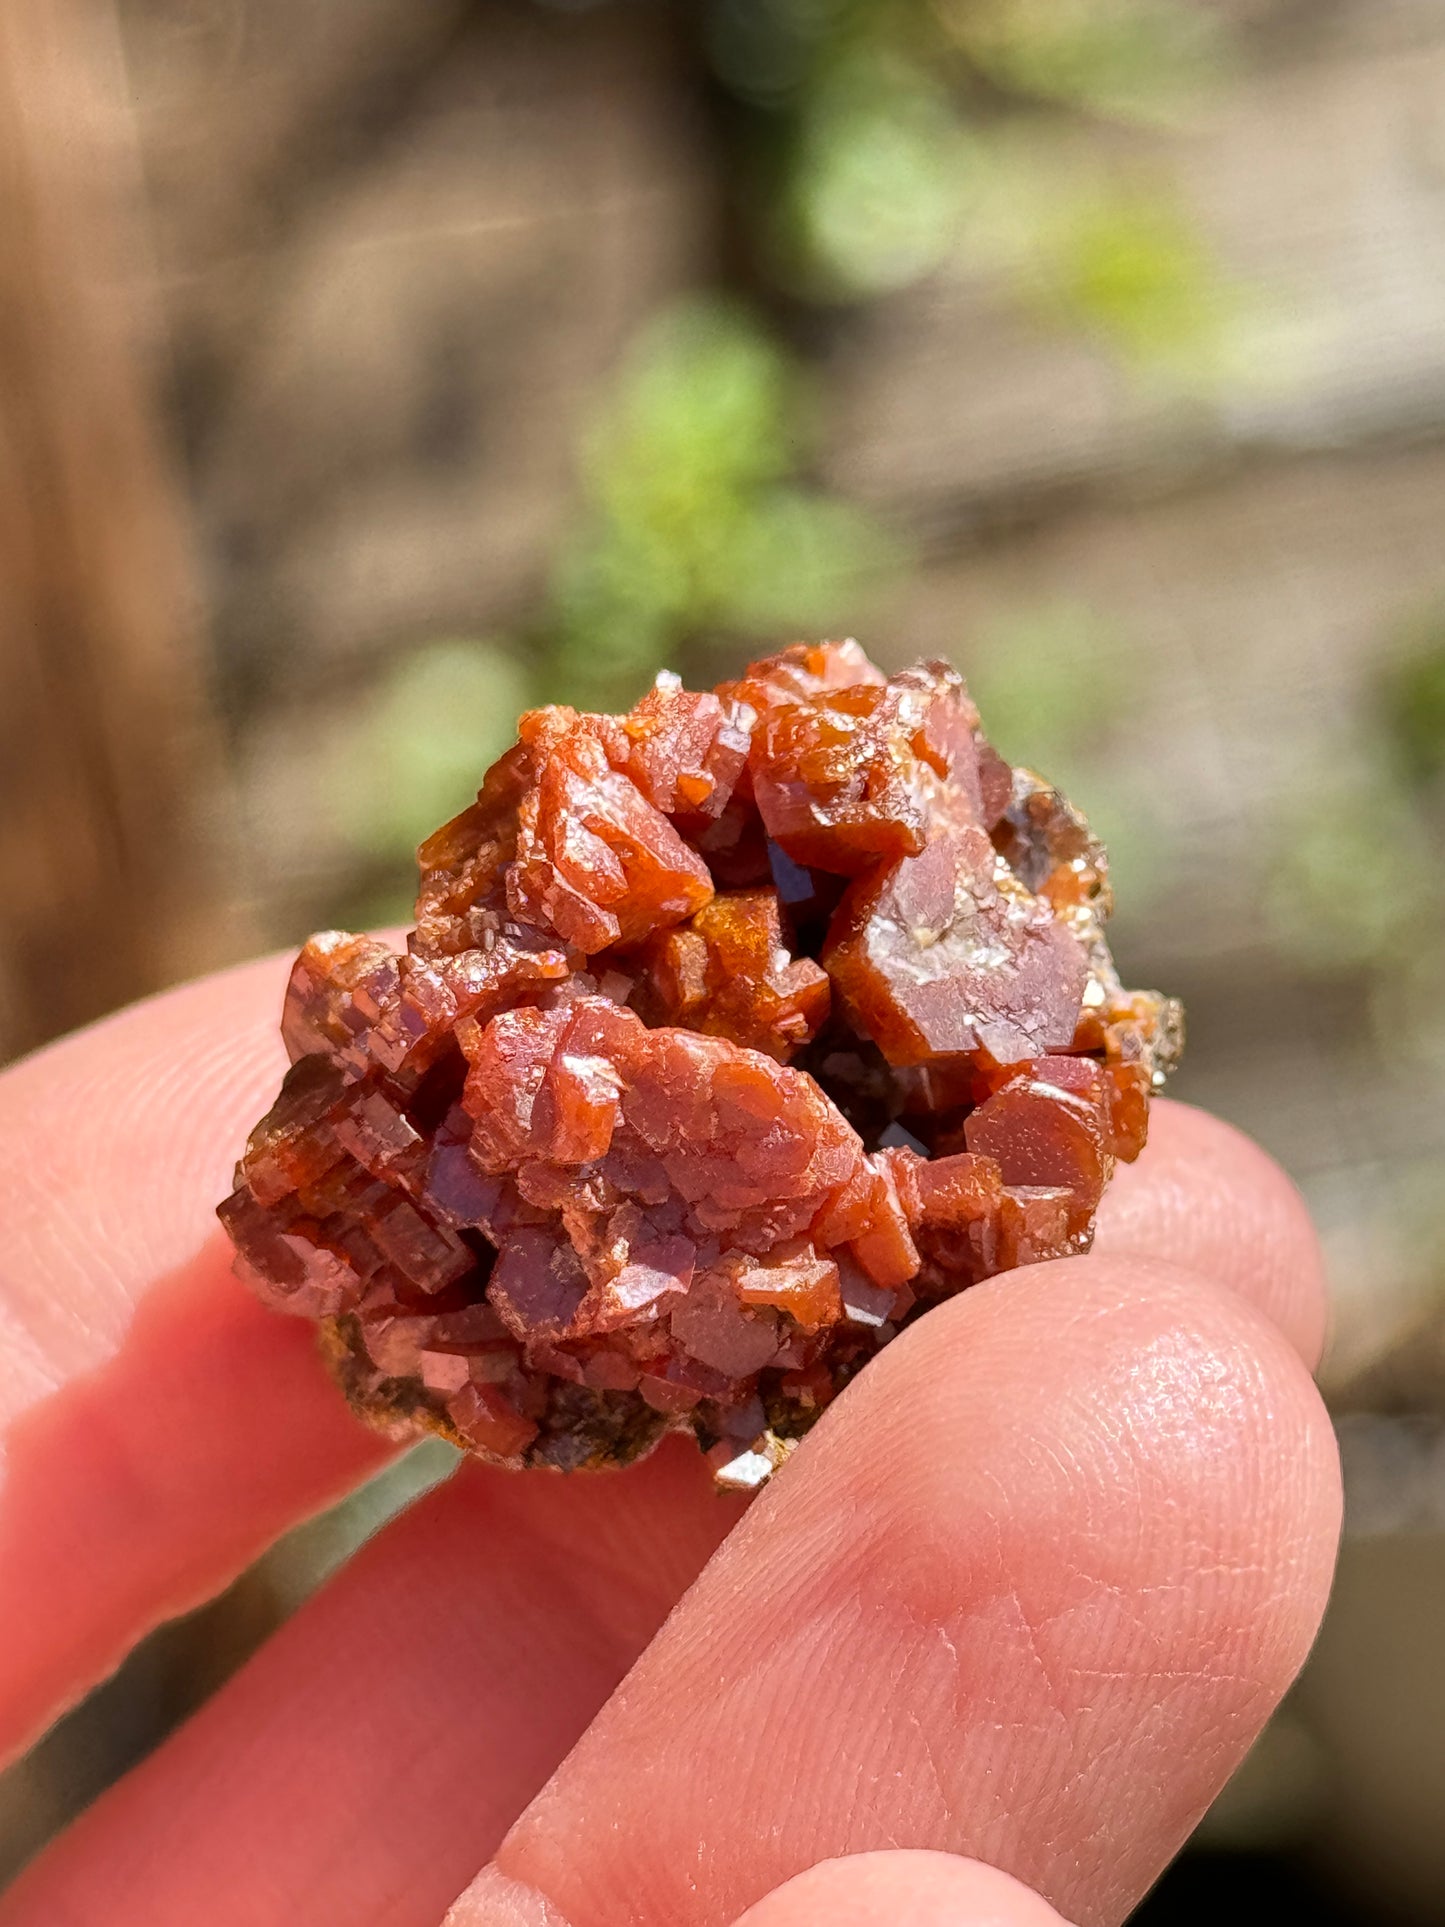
<point>733,1034</point>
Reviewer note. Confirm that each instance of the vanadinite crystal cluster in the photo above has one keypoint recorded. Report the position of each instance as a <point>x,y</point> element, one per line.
<point>733,1034</point>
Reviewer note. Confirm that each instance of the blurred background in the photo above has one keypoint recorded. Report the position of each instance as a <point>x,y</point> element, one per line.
<point>369,371</point>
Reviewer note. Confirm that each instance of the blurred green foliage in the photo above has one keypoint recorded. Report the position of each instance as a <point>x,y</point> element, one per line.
<point>893,136</point>
<point>1356,889</point>
<point>1120,262</point>
<point>1346,893</point>
<point>414,752</point>
<point>694,526</point>
<point>1412,704</point>
<point>877,184</point>
<point>1045,677</point>
<point>694,523</point>
<point>1122,59</point>
<point>1056,682</point>
<point>874,142</point>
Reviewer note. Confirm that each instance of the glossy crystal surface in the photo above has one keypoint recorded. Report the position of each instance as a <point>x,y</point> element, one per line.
<point>733,1034</point>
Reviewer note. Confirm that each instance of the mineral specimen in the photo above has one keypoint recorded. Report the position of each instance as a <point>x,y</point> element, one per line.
<point>733,1034</point>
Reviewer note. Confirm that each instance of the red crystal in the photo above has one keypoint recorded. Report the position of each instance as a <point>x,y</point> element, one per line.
<point>728,971</point>
<point>733,1033</point>
<point>944,954</point>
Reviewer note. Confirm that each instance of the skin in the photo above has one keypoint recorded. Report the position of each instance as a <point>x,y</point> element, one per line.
<point>982,1655</point>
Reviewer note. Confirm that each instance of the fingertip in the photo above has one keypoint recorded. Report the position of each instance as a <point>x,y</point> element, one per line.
<point>1205,1196</point>
<point>1027,1592</point>
<point>1108,1370</point>
<point>1134,1476</point>
<point>902,1888</point>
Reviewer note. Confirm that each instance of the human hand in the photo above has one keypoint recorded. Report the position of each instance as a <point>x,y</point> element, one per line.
<point>1026,1595</point>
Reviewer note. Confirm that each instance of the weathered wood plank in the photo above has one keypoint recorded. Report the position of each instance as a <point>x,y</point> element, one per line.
<point>1321,181</point>
<point>106,756</point>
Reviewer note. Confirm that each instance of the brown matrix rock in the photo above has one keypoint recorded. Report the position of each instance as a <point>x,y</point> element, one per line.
<point>733,1034</point>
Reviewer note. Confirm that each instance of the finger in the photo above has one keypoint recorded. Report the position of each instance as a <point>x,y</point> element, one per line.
<point>1027,1594</point>
<point>158,1427</point>
<point>326,1736</point>
<point>1204,1196</point>
<point>896,1890</point>
<point>358,1770</point>
<point>900,1889</point>
<point>420,1573</point>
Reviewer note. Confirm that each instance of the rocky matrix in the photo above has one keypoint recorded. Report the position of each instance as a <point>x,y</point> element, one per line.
<point>733,1034</point>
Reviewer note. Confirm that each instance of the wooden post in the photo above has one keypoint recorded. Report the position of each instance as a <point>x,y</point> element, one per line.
<point>108,759</point>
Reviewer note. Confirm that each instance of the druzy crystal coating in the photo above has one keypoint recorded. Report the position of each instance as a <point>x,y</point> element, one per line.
<point>733,1033</point>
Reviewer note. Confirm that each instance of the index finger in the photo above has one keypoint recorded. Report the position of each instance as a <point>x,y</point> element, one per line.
<point>159,1427</point>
